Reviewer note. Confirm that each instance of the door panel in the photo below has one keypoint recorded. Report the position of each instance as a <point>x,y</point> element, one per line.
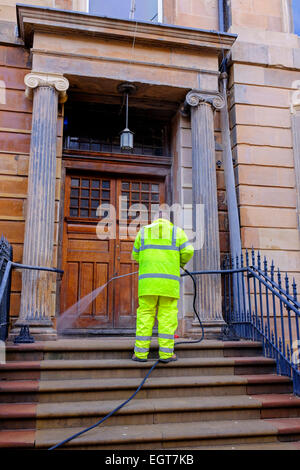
<point>88,266</point>
<point>90,262</point>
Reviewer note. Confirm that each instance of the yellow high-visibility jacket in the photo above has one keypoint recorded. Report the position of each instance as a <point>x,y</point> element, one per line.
<point>161,249</point>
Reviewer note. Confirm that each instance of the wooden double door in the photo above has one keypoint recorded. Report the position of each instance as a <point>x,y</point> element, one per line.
<point>102,216</point>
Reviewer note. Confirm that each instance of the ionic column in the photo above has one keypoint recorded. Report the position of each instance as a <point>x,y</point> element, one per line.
<point>204,182</point>
<point>46,90</point>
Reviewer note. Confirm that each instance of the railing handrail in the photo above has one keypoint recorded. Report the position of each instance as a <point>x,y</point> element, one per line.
<point>285,301</point>
<point>10,265</point>
<point>251,269</point>
<point>274,284</point>
<point>6,279</point>
<point>37,268</point>
<point>217,271</point>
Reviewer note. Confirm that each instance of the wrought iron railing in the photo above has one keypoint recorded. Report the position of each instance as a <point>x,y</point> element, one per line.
<point>6,267</point>
<point>261,304</point>
<point>6,254</point>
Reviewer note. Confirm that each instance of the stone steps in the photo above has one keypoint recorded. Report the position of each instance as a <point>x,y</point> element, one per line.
<point>277,445</point>
<point>106,368</point>
<point>47,391</point>
<point>121,348</point>
<point>149,411</point>
<point>216,394</point>
<point>168,436</point>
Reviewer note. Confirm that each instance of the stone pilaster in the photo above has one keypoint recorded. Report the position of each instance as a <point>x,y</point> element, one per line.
<point>204,182</point>
<point>46,90</point>
<point>295,118</point>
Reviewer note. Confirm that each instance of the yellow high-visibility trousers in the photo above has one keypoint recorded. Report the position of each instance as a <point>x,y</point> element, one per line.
<point>167,311</point>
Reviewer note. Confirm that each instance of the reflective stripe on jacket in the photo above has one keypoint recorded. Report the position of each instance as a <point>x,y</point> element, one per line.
<point>160,249</point>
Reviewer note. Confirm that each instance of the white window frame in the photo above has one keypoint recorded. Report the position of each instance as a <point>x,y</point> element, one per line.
<point>81,5</point>
<point>86,8</point>
<point>292,19</point>
<point>160,10</point>
<point>287,16</point>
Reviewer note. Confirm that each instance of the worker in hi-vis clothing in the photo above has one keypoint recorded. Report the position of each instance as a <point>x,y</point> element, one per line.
<point>161,249</point>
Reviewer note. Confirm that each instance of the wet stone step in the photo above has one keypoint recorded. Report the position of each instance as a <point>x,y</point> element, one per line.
<point>168,436</point>
<point>64,369</point>
<point>26,391</point>
<point>149,411</point>
<point>122,349</point>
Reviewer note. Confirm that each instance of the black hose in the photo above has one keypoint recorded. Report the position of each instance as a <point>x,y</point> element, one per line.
<point>195,311</point>
<point>109,414</point>
<point>144,379</point>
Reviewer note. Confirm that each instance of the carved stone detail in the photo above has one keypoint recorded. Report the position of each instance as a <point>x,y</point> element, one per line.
<point>36,79</point>
<point>196,97</point>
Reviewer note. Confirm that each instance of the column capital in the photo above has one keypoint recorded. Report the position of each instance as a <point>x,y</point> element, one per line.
<point>35,79</point>
<point>196,97</point>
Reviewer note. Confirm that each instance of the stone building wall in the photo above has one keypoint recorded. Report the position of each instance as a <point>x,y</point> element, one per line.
<point>264,68</point>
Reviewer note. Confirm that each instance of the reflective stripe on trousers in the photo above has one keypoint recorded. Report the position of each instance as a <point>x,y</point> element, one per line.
<point>167,323</point>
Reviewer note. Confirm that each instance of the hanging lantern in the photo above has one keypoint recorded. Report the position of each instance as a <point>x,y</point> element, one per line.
<point>126,139</point>
<point>126,136</point>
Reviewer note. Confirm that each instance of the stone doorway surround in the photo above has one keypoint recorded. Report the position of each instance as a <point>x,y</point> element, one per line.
<point>171,64</point>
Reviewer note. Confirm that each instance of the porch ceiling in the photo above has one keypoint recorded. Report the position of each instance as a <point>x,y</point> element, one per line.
<point>162,101</point>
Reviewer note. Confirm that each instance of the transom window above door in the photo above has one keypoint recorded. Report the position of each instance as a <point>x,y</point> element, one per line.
<point>140,10</point>
<point>99,131</point>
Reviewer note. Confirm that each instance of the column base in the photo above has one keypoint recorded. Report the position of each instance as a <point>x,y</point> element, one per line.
<point>38,330</point>
<point>212,329</point>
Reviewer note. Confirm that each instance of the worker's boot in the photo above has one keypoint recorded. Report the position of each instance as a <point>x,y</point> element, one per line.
<point>138,359</point>
<point>169,359</point>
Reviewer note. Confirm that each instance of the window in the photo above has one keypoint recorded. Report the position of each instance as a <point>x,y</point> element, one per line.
<point>296,16</point>
<point>100,130</point>
<point>141,10</point>
<point>87,194</point>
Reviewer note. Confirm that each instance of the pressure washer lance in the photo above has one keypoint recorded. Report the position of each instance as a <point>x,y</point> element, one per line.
<point>148,373</point>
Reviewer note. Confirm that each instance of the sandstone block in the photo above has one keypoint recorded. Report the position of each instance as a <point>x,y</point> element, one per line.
<point>266,176</point>
<point>267,197</point>
<point>268,217</point>
<point>270,238</point>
